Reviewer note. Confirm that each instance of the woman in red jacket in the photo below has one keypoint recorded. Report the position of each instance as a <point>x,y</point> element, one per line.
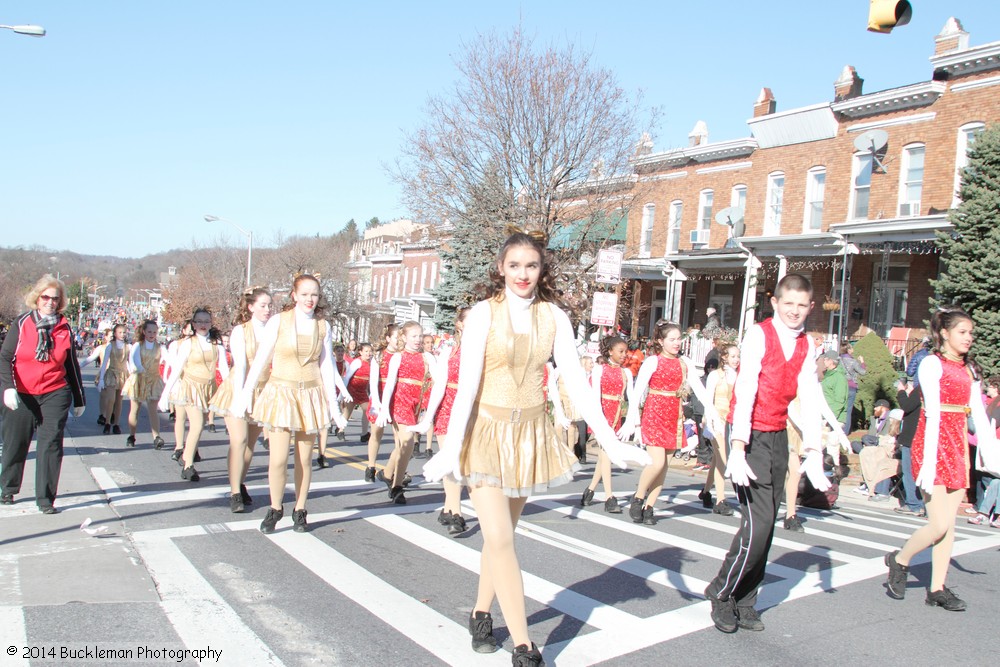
<point>41,381</point>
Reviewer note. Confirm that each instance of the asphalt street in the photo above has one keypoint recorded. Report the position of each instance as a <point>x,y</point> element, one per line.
<point>169,569</point>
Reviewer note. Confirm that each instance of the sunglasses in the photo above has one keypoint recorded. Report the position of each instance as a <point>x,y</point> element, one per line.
<point>46,297</point>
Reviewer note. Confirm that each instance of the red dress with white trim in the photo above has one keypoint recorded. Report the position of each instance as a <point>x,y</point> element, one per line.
<point>662,421</point>
<point>359,384</point>
<point>444,410</point>
<point>613,395</point>
<point>411,385</point>
<point>953,434</point>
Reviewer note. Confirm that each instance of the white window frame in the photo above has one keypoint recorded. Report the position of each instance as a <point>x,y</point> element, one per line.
<point>962,155</point>
<point>907,203</point>
<point>675,216</point>
<point>815,194</point>
<point>774,203</point>
<point>703,227</point>
<point>857,169</point>
<point>738,196</point>
<point>646,229</point>
<point>434,275</point>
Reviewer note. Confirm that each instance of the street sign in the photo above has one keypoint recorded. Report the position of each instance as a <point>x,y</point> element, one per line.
<point>609,266</point>
<point>604,309</point>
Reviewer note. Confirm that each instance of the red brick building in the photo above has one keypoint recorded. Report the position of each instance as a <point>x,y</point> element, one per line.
<point>860,223</point>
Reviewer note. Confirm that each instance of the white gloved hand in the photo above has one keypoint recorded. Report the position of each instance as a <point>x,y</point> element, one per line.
<point>621,454</point>
<point>100,385</point>
<point>422,427</point>
<point>845,443</point>
<point>563,423</point>
<point>238,407</point>
<point>339,420</point>
<point>812,466</point>
<point>928,471</point>
<point>78,410</point>
<point>737,469</point>
<point>10,398</point>
<point>445,463</point>
<point>626,431</point>
<point>383,417</point>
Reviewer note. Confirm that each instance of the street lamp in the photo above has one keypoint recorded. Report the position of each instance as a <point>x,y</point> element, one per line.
<point>30,30</point>
<point>249,235</point>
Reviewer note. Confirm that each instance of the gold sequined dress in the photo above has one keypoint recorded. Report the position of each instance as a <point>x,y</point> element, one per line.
<point>116,373</point>
<point>146,385</point>
<point>294,398</point>
<point>223,397</point>
<point>510,442</point>
<point>197,381</point>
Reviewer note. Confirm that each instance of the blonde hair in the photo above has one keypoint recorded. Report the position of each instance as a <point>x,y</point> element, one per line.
<point>44,283</point>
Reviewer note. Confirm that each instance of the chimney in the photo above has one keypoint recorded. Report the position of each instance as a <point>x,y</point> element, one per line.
<point>951,38</point>
<point>765,103</point>
<point>848,85</point>
<point>698,135</point>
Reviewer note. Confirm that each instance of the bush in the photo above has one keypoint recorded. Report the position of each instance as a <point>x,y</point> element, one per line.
<point>880,380</point>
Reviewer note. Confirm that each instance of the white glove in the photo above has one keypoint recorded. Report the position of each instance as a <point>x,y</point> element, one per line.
<point>422,427</point>
<point>100,385</point>
<point>620,453</point>
<point>812,466</point>
<point>10,398</point>
<point>78,410</point>
<point>626,431</point>
<point>563,423</point>
<point>241,400</point>
<point>339,420</point>
<point>383,417</point>
<point>345,398</point>
<point>928,471</point>
<point>845,443</point>
<point>445,462</point>
<point>737,468</point>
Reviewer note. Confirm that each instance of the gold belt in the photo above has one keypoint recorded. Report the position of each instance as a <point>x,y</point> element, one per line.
<point>513,415</point>
<point>419,383</point>
<point>657,392</point>
<point>452,385</point>
<point>945,407</point>
<point>612,397</point>
<point>296,384</point>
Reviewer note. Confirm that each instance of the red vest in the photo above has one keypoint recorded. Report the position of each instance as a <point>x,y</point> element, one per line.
<point>778,386</point>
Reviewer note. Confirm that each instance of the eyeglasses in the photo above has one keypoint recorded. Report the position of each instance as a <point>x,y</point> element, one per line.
<point>48,297</point>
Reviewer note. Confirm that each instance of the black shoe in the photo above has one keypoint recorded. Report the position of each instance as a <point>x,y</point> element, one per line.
<point>587,498</point>
<point>177,454</point>
<point>396,495</point>
<point>320,461</point>
<point>749,619</point>
<point>299,524</point>
<point>158,442</point>
<point>365,437</point>
<point>101,421</point>
<point>525,656</point>
<point>793,524</point>
<point>49,509</point>
<point>896,583</point>
<point>341,434</point>
<point>173,416</point>
<point>116,429</point>
<point>635,509</point>
<point>724,614</point>
<point>271,519</point>
<point>648,516</point>
<point>481,629</point>
<point>380,476</point>
<point>266,444</point>
<point>7,499</point>
<point>706,499</point>
<point>190,474</point>
<point>425,454</point>
<point>236,504</point>
<point>945,599</point>
<point>245,495</point>
<point>211,428</point>
<point>444,518</point>
<point>197,456</point>
<point>611,506</point>
<point>130,441</point>
<point>723,508</point>
<point>407,479</point>
<point>457,525</point>
<point>370,474</point>
<point>107,428</point>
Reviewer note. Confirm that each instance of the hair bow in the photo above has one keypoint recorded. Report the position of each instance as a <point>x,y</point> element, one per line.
<point>536,234</point>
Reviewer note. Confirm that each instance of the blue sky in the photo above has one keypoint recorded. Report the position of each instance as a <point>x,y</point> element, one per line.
<point>132,120</point>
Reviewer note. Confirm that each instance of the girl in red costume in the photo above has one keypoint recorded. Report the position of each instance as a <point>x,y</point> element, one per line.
<point>358,379</point>
<point>376,383</point>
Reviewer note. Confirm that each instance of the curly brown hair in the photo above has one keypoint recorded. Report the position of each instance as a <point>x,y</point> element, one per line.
<point>320,308</point>
<point>247,299</point>
<point>545,290</point>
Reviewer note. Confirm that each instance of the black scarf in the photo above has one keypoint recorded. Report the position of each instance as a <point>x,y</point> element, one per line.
<point>44,324</point>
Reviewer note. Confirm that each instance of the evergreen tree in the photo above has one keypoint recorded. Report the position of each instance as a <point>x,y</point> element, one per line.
<point>970,275</point>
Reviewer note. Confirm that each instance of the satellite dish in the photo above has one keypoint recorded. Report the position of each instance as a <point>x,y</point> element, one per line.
<point>872,142</point>
<point>729,216</point>
<point>739,229</point>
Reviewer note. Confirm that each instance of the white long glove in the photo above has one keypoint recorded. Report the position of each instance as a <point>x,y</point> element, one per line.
<point>627,430</point>
<point>78,410</point>
<point>445,462</point>
<point>338,417</point>
<point>737,468</point>
<point>10,398</point>
<point>621,454</point>
<point>813,469</point>
<point>563,422</point>
<point>422,427</point>
<point>383,417</point>
<point>928,471</point>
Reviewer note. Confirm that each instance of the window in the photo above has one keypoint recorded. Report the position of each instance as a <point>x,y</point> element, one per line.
<point>966,135</point>
<point>646,231</point>
<point>423,276</point>
<point>911,180</point>
<point>738,197</point>
<point>861,179</point>
<point>434,273</point>
<point>815,190</point>
<point>775,197</point>
<point>674,226</point>
<point>700,236</point>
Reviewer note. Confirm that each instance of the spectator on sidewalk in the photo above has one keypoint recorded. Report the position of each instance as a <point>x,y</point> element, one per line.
<point>834,383</point>
<point>908,399</point>
<point>853,369</point>
<point>879,463</point>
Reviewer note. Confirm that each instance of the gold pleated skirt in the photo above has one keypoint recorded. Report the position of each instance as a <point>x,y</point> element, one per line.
<point>115,379</point>
<point>143,387</point>
<point>223,399</point>
<point>192,393</point>
<point>284,407</point>
<point>520,457</point>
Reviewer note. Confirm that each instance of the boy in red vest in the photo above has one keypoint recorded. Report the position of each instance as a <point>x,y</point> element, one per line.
<point>777,363</point>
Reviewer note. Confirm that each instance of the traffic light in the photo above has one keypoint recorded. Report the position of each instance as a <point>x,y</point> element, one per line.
<point>884,15</point>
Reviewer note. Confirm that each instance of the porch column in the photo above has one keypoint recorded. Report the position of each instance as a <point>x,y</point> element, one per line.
<point>749,290</point>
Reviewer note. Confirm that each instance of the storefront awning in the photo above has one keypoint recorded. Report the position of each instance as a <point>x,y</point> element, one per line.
<point>919,229</point>
<point>601,228</point>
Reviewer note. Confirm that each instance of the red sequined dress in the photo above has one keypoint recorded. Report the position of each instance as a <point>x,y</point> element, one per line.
<point>953,434</point>
<point>662,421</point>
<point>411,381</point>
<point>613,394</point>
<point>359,383</point>
<point>444,410</point>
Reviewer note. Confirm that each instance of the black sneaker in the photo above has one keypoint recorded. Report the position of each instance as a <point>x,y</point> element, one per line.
<point>49,509</point>
<point>130,441</point>
<point>177,454</point>
<point>271,519</point>
<point>7,499</point>
<point>649,516</point>
<point>197,456</point>
<point>896,582</point>
<point>407,479</point>
<point>116,429</point>
<point>370,474</point>
<point>107,428</point>
<point>320,461</point>
<point>444,518</point>
<point>245,495</point>
<point>724,614</point>
<point>101,421</point>
<point>723,508</point>
<point>158,442</point>
<point>481,629</point>
<point>380,476</point>
<point>299,524</point>
<point>365,437</point>
<point>190,474</point>
<point>587,498</point>
<point>749,619</point>
<point>706,499</point>
<point>611,506</point>
<point>236,504</point>
<point>457,525</point>
<point>793,524</point>
<point>396,495</point>
<point>945,599</point>
<point>211,428</point>
<point>635,509</point>
<point>525,656</point>
<point>341,434</point>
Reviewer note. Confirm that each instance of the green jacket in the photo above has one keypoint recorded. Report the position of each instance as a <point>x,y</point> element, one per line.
<point>835,391</point>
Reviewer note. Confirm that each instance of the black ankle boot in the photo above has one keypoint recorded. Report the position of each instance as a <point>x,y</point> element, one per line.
<point>525,656</point>
<point>635,509</point>
<point>648,516</point>
<point>481,629</point>
<point>587,498</point>
<point>271,519</point>
<point>299,524</point>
